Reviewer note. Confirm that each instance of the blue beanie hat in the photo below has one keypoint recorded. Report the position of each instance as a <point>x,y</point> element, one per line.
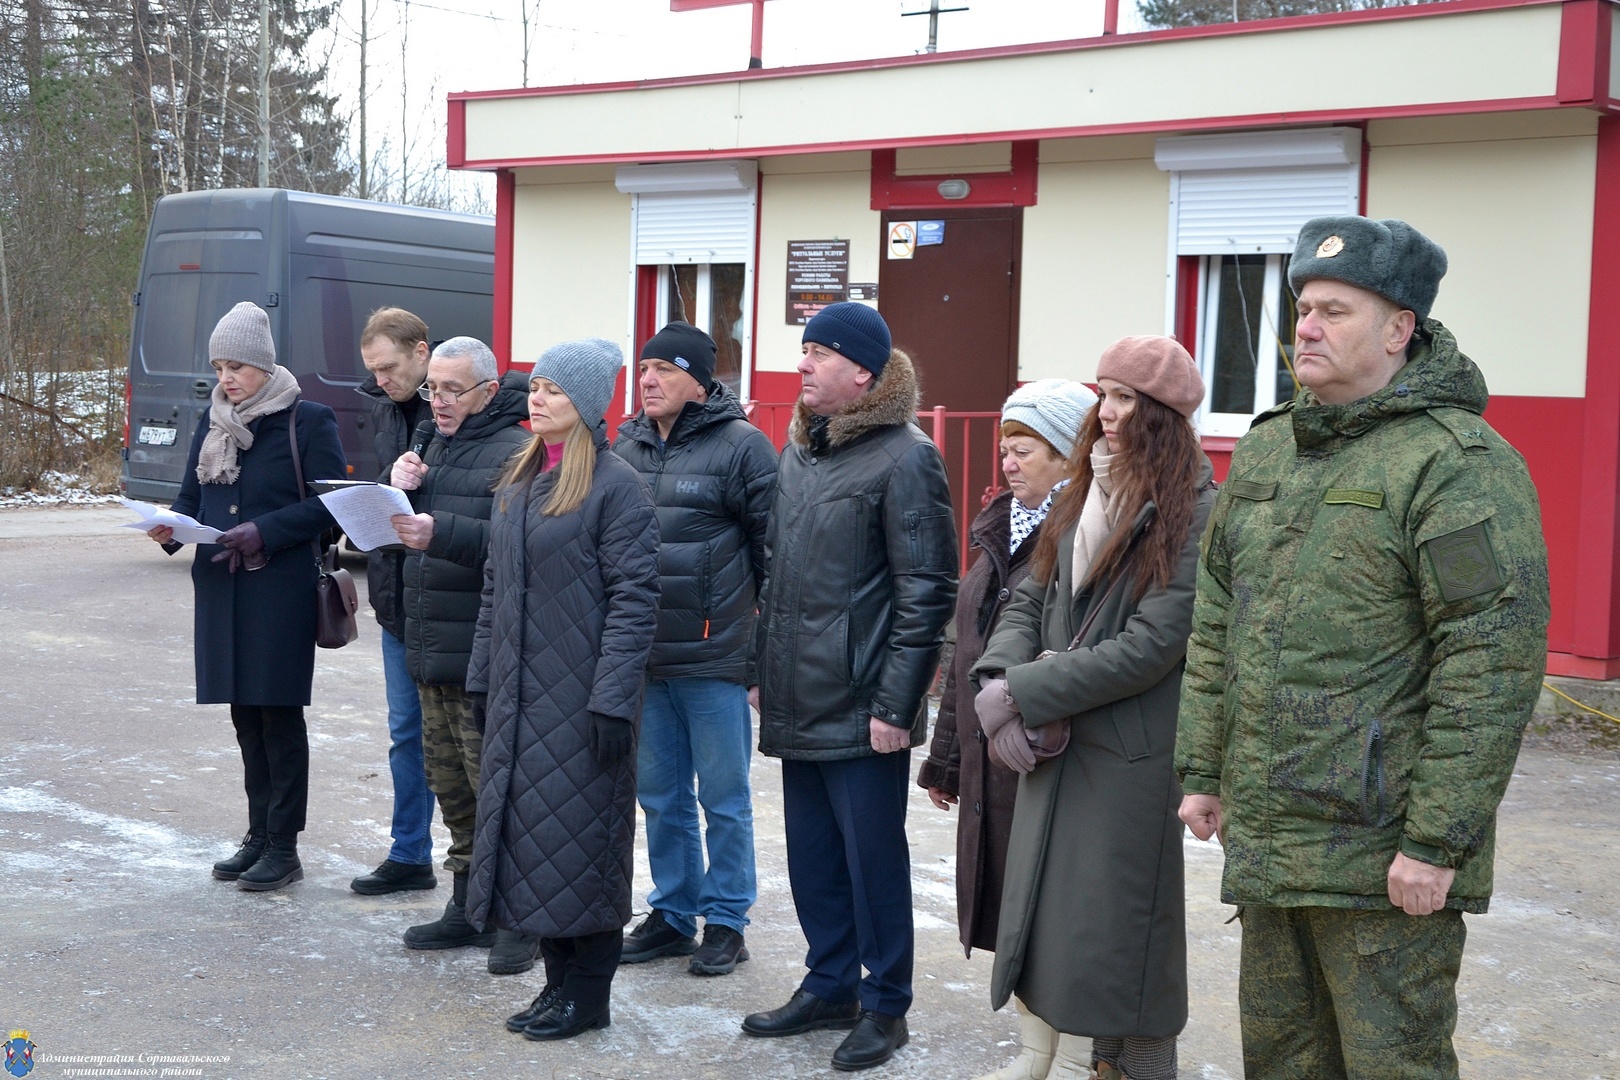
<point>585,370</point>
<point>854,331</point>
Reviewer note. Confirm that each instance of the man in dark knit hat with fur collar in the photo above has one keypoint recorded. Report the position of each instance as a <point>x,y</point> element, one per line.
<point>860,584</point>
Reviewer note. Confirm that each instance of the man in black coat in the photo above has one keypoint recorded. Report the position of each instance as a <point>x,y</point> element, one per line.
<point>711,473</point>
<point>476,417</point>
<point>861,582</point>
<point>394,348</point>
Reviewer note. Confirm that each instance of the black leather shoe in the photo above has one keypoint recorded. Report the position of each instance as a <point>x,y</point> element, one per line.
<point>564,1020</point>
<point>655,938</point>
<point>803,1012</point>
<point>875,1039</point>
<point>392,877</point>
<point>252,847</point>
<point>545,1000</point>
<point>277,867</point>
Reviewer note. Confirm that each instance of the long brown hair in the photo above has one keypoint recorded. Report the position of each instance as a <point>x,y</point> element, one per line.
<point>1159,463</point>
<point>574,471</point>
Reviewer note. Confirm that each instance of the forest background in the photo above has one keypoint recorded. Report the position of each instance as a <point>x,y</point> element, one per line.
<point>108,105</point>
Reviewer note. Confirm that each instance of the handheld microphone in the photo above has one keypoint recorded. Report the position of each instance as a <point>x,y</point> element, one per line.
<point>422,436</point>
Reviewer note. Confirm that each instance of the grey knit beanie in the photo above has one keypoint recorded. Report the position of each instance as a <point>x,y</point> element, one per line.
<point>243,335</point>
<point>1053,407</point>
<point>585,370</point>
<point>1387,257</point>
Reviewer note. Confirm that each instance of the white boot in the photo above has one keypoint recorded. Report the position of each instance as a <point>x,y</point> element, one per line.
<point>1035,1060</point>
<point>1072,1059</point>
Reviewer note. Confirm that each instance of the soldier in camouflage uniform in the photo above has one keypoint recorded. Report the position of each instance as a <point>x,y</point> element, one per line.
<point>1368,642</point>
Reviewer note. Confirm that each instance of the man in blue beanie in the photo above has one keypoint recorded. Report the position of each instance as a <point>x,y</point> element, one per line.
<point>861,581</point>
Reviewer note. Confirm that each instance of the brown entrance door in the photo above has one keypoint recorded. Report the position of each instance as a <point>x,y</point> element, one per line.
<point>953,307</point>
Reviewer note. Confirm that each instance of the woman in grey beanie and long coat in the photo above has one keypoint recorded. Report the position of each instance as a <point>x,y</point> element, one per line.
<point>564,633</point>
<point>255,590</point>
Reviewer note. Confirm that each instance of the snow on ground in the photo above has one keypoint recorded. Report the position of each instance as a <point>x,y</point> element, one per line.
<point>93,402</point>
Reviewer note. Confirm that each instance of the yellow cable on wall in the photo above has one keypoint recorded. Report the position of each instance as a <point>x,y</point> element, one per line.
<point>1580,704</point>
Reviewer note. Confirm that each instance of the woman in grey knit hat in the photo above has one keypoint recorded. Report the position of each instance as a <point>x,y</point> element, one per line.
<point>255,589</point>
<point>558,663</point>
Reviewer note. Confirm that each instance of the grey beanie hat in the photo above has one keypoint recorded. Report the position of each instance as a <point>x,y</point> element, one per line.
<point>243,335</point>
<point>1387,257</point>
<point>586,370</point>
<point>1053,407</point>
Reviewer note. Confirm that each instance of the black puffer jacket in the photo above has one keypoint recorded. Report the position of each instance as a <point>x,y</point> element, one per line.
<point>712,483</point>
<point>443,583</point>
<point>392,424</point>
<point>861,577</point>
<point>566,626</point>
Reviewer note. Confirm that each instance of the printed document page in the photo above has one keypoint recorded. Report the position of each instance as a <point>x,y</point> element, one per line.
<point>187,530</point>
<point>363,509</point>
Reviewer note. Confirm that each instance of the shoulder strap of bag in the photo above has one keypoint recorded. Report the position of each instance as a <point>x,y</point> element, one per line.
<point>298,471</point>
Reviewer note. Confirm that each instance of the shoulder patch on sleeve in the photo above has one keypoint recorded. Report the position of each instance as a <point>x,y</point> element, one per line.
<point>1465,564</point>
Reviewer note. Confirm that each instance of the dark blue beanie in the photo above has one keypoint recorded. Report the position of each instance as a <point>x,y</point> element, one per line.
<point>852,330</point>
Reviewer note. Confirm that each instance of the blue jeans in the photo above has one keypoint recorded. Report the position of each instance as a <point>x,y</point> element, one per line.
<point>413,802</point>
<point>698,728</point>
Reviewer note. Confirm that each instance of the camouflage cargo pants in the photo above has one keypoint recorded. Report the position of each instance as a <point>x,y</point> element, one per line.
<point>450,747</point>
<point>1332,993</point>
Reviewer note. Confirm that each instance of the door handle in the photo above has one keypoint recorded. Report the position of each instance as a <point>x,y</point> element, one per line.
<point>202,387</point>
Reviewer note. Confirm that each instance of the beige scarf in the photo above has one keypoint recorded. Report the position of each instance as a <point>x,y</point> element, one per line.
<point>1097,518</point>
<point>228,434</point>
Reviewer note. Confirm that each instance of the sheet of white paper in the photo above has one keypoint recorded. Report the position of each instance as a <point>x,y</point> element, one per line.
<point>363,510</point>
<point>187,530</point>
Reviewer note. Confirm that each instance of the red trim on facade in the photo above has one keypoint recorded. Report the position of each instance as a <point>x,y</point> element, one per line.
<point>1366,169</point>
<point>646,306</point>
<point>1582,667</point>
<point>1186,313</point>
<point>505,207</point>
<point>776,386</point>
<point>1188,124</point>
<point>1256,26</point>
<point>1016,187</point>
<point>1110,25</point>
<point>1583,52</point>
<point>699,5</point>
<point>455,135</point>
<point>1596,631</point>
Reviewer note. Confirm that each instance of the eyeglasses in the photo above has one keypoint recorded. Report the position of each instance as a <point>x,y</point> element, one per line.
<point>443,397</point>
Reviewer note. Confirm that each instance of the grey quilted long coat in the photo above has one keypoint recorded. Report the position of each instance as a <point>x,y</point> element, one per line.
<point>569,610</point>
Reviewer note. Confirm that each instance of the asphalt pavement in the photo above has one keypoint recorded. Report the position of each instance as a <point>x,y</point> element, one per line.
<point>120,954</point>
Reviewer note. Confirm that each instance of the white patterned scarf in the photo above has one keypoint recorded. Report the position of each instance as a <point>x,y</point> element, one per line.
<point>1026,521</point>
<point>228,434</point>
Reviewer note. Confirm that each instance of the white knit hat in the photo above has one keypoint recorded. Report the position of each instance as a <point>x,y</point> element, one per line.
<point>243,335</point>
<point>1053,407</point>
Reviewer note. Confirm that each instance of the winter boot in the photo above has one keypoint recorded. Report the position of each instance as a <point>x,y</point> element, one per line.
<point>1071,1060</point>
<point>277,867</point>
<point>252,847</point>
<point>1035,1060</point>
<point>513,953</point>
<point>451,930</point>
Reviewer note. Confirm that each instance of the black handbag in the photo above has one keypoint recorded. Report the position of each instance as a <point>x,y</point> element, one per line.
<point>336,601</point>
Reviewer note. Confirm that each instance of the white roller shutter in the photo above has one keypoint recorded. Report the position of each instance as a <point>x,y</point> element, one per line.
<point>694,227</point>
<point>1249,192</point>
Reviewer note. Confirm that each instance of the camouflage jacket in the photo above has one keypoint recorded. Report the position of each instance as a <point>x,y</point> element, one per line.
<point>1368,639</point>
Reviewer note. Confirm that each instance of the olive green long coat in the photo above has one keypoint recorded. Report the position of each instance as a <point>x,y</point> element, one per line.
<point>1093,923</point>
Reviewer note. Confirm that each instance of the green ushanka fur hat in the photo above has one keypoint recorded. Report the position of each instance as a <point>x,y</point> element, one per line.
<point>1387,257</point>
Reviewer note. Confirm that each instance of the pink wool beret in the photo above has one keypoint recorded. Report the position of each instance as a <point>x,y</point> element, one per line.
<point>1156,366</point>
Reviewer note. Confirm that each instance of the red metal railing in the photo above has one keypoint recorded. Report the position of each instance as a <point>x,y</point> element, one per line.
<point>970,443</point>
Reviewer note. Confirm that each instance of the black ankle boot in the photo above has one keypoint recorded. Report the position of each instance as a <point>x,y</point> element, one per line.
<point>252,847</point>
<point>277,867</point>
<point>450,930</point>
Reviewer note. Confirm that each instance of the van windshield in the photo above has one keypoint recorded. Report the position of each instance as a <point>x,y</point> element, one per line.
<point>178,312</point>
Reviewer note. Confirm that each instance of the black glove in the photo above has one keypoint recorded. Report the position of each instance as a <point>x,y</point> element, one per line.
<point>612,739</point>
<point>479,703</point>
<point>243,547</point>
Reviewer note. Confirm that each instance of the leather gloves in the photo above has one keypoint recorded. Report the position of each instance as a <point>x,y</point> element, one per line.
<point>479,703</point>
<point>612,739</point>
<point>243,546</point>
<point>1005,735</point>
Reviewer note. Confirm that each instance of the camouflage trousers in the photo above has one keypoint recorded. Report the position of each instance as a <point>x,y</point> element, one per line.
<point>450,747</point>
<point>1334,993</point>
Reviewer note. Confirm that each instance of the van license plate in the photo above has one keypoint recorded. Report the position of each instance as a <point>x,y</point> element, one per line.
<point>157,436</point>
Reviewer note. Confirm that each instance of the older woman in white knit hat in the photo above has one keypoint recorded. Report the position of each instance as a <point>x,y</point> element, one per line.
<point>255,589</point>
<point>1039,423</point>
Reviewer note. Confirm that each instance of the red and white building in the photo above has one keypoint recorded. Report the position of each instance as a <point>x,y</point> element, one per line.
<point>1144,183</point>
